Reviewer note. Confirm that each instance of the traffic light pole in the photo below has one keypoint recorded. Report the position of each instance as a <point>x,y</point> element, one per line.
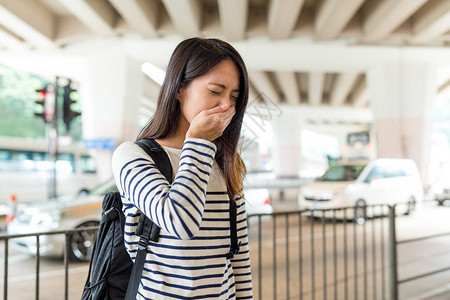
<point>53,145</point>
<point>49,98</point>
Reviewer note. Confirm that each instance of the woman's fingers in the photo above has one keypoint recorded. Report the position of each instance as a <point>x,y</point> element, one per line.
<point>216,109</point>
<point>229,117</point>
<point>210,123</point>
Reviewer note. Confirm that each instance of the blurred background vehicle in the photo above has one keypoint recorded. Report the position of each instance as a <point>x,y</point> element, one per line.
<point>84,210</point>
<point>440,191</point>
<point>361,183</point>
<point>25,169</point>
<point>63,213</point>
<point>257,202</point>
<point>359,146</point>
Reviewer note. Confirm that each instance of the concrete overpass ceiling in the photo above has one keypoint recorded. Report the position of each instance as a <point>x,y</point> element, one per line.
<point>411,22</point>
<point>64,24</point>
<point>418,22</point>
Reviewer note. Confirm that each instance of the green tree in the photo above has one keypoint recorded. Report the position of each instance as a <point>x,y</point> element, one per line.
<point>17,106</point>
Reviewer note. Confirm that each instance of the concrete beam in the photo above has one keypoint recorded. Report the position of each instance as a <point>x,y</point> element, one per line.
<point>343,114</point>
<point>432,21</point>
<point>387,16</point>
<point>70,30</point>
<point>289,86</point>
<point>333,15</point>
<point>442,87</point>
<point>30,20</point>
<point>361,96</point>
<point>334,128</point>
<point>296,55</point>
<point>263,84</point>
<point>233,18</point>
<point>141,15</point>
<point>10,41</point>
<point>97,15</point>
<point>283,15</point>
<point>185,14</point>
<point>315,87</point>
<point>342,87</point>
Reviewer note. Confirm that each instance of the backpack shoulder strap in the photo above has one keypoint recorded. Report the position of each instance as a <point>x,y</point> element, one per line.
<point>159,156</point>
<point>235,246</point>
<point>162,161</point>
<point>146,228</point>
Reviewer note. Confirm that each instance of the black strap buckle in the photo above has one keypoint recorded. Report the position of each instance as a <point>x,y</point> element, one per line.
<point>110,214</point>
<point>233,251</point>
<point>143,242</point>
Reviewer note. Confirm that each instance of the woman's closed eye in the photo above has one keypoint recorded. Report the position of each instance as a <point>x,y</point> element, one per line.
<point>214,92</point>
<point>219,92</point>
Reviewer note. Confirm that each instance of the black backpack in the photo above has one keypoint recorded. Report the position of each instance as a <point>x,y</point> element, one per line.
<point>111,265</point>
<point>114,276</point>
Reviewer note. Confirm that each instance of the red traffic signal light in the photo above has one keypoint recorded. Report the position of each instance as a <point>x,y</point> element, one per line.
<point>42,92</point>
<point>47,101</point>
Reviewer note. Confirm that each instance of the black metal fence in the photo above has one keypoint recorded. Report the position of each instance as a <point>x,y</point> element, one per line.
<point>396,282</point>
<point>304,254</point>
<point>321,254</point>
<point>67,233</point>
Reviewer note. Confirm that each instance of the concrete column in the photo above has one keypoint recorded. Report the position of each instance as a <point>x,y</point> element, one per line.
<point>110,91</point>
<point>402,94</point>
<point>286,144</point>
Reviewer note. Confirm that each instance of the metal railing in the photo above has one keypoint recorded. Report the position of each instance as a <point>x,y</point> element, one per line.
<point>394,244</point>
<point>67,233</point>
<point>320,254</point>
<point>303,254</point>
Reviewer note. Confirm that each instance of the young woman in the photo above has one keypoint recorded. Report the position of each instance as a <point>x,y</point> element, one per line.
<point>197,122</point>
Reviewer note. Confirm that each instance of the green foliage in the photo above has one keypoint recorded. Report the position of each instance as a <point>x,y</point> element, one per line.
<point>17,95</point>
<point>17,106</point>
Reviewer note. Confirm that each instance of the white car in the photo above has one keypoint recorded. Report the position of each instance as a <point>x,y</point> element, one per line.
<point>441,193</point>
<point>64,213</point>
<point>440,190</point>
<point>257,202</point>
<point>83,211</point>
<point>362,183</point>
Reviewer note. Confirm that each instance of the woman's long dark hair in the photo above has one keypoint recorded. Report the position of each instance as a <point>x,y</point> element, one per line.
<point>192,58</point>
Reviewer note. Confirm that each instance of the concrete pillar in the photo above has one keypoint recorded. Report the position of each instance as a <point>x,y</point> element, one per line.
<point>110,91</point>
<point>402,94</point>
<point>286,151</point>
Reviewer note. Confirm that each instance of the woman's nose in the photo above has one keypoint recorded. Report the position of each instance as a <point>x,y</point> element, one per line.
<point>226,100</point>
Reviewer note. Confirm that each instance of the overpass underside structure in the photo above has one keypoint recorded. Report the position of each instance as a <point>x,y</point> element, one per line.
<point>332,66</point>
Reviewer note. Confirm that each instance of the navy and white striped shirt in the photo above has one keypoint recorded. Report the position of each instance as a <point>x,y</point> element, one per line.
<point>189,260</point>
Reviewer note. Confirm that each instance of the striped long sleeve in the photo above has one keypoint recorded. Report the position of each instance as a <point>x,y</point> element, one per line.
<point>178,208</point>
<point>189,261</point>
<point>241,261</point>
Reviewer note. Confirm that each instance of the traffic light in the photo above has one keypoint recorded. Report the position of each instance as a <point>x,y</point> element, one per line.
<point>68,113</point>
<point>47,101</point>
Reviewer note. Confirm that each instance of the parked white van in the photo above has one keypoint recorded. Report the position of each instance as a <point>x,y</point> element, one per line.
<point>362,183</point>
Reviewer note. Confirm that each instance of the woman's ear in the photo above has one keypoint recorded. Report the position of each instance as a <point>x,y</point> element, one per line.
<point>180,93</point>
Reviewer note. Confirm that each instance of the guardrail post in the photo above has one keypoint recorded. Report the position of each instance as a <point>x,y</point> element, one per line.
<point>5,271</point>
<point>393,287</point>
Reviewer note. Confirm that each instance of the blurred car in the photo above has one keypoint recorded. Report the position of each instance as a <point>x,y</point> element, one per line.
<point>257,202</point>
<point>441,193</point>
<point>63,213</point>
<point>361,183</point>
<point>79,211</point>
